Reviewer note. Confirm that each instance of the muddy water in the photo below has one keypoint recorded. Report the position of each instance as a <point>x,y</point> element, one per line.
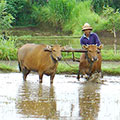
<point>66,99</point>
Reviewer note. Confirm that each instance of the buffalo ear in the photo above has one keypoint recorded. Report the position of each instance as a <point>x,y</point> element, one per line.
<point>100,47</point>
<point>48,48</point>
<point>84,46</point>
<point>63,48</point>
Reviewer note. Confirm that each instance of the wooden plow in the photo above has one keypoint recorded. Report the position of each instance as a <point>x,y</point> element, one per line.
<point>74,50</point>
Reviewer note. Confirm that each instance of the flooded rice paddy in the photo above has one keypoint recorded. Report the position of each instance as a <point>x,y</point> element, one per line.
<point>66,99</point>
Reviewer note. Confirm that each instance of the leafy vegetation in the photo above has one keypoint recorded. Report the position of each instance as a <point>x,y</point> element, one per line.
<point>113,18</point>
<point>57,12</point>
<point>81,14</point>
<point>65,15</point>
<point>99,4</point>
<point>7,68</point>
<point>8,50</point>
<point>69,16</point>
<point>21,11</point>
<point>5,18</point>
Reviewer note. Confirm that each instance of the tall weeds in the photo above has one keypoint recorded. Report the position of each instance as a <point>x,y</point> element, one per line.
<point>69,15</point>
<point>57,12</point>
<point>81,14</point>
<point>8,50</point>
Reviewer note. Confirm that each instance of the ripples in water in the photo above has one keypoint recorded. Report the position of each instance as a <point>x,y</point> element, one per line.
<point>66,99</point>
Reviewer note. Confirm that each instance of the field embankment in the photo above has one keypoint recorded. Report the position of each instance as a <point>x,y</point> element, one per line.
<point>66,67</point>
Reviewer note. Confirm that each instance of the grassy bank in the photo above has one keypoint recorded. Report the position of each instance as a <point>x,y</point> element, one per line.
<point>73,69</point>
<point>107,55</point>
<point>63,68</point>
<point>7,68</point>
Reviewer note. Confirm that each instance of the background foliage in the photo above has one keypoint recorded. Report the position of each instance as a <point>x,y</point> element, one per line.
<point>64,15</point>
<point>21,11</point>
<point>8,50</point>
<point>99,4</point>
<point>5,18</point>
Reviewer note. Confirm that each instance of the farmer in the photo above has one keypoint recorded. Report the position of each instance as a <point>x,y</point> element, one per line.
<point>89,38</point>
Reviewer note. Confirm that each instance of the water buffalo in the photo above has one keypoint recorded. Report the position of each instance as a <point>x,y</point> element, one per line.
<point>40,58</point>
<point>90,62</point>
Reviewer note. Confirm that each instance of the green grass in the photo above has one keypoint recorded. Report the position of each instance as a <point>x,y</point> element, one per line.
<point>64,68</point>
<point>8,50</point>
<point>111,71</point>
<point>110,56</point>
<point>7,68</point>
<point>73,69</point>
<point>107,55</point>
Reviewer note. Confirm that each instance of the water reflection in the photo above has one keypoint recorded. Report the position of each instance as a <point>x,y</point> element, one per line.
<point>36,101</point>
<point>89,101</point>
<point>67,99</point>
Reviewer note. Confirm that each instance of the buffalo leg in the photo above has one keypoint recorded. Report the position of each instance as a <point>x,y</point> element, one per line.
<point>99,70</point>
<point>78,76</point>
<point>101,73</point>
<point>19,66</point>
<point>25,73</point>
<point>51,78</point>
<point>40,77</point>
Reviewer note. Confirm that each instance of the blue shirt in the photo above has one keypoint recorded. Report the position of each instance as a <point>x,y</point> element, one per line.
<point>91,40</point>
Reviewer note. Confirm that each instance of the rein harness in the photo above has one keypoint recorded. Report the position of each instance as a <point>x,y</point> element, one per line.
<point>54,60</point>
<point>89,61</point>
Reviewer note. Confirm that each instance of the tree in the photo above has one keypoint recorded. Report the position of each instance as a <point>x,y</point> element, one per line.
<point>5,18</point>
<point>113,17</point>
<point>116,4</point>
<point>20,10</point>
<point>41,2</point>
<point>99,4</point>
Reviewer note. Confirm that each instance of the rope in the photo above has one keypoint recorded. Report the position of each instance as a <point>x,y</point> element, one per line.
<point>68,63</point>
<point>89,61</point>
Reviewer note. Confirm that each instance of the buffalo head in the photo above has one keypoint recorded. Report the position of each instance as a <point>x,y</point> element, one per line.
<point>92,51</point>
<point>55,51</point>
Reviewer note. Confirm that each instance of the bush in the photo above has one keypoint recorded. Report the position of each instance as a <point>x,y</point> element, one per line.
<point>99,4</point>
<point>57,12</point>
<point>21,11</point>
<point>81,14</point>
<point>5,18</point>
<point>8,50</point>
<point>69,15</point>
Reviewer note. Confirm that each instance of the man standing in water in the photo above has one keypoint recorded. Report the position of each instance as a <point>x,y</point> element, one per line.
<point>88,37</point>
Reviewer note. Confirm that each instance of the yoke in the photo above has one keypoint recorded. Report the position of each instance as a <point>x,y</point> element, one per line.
<point>74,50</point>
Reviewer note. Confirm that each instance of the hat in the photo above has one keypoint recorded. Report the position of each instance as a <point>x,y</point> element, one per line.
<point>86,26</point>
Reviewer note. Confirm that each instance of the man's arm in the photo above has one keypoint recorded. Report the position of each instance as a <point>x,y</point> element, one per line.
<point>97,39</point>
<point>82,41</point>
